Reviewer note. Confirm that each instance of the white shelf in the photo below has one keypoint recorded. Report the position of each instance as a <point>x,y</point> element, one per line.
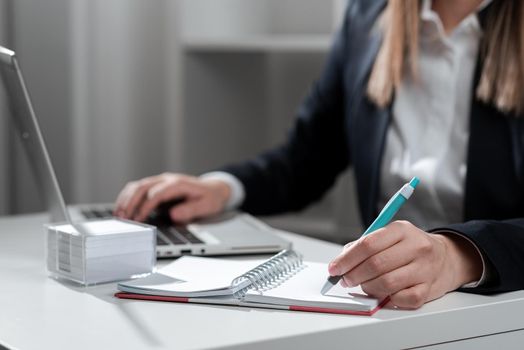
<point>269,43</point>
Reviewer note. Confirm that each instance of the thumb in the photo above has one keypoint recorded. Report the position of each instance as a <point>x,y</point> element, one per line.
<point>189,210</point>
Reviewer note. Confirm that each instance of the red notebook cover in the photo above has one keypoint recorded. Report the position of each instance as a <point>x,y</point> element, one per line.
<point>125,295</point>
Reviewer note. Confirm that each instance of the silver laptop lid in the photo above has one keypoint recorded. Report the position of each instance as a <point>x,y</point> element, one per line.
<point>26,125</point>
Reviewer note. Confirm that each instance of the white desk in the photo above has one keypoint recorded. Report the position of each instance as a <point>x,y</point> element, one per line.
<point>37,312</point>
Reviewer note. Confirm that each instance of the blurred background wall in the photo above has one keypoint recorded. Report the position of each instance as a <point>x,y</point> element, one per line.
<point>129,88</point>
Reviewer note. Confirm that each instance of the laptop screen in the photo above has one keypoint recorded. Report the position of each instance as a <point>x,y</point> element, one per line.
<point>26,125</point>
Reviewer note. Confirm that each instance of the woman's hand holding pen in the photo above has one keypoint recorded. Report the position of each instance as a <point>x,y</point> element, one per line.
<point>407,264</point>
<point>198,197</point>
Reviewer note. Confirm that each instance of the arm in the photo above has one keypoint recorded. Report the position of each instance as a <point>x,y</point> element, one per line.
<point>502,246</point>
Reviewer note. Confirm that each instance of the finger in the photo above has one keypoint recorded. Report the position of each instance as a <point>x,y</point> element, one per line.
<point>190,210</point>
<point>137,196</point>
<point>133,195</point>
<point>344,248</point>
<point>156,195</point>
<point>164,192</point>
<point>348,245</point>
<point>123,198</point>
<point>390,305</point>
<point>412,297</point>
<point>363,248</point>
<point>394,281</point>
<point>331,265</point>
<point>377,265</point>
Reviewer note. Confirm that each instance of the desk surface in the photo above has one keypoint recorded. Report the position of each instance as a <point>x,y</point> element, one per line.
<point>37,312</point>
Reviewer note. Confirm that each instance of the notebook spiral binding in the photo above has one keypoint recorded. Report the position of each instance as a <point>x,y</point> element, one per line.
<point>270,274</point>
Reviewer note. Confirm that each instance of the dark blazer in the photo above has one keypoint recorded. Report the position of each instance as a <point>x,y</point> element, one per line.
<point>337,126</point>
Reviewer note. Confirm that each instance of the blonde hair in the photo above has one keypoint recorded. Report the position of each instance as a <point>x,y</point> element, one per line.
<point>502,74</point>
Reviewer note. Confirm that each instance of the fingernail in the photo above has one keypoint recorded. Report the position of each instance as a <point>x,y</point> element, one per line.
<point>343,283</point>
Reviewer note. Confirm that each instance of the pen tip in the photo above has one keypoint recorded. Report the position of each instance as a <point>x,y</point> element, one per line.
<point>414,182</point>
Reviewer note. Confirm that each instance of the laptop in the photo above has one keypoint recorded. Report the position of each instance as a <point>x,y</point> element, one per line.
<point>227,234</point>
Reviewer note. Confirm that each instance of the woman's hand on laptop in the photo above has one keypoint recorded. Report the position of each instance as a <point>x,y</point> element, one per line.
<point>200,197</point>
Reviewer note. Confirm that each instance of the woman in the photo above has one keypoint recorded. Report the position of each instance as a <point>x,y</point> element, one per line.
<point>432,89</point>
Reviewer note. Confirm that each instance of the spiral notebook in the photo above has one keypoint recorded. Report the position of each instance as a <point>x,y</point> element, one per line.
<point>284,281</point>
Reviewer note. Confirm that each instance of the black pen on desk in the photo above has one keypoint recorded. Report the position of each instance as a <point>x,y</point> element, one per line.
<point>385,216</point>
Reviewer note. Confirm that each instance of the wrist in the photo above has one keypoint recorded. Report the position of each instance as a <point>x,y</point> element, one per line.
<point>236,193</point>
<point>220,188</point>
<point>462,259</point>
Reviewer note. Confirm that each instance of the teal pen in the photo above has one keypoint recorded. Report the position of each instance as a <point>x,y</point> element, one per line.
<point>385,216</point>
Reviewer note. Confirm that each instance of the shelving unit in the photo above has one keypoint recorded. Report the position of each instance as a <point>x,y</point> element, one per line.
<point>264,44</point>
<point>247,66</point>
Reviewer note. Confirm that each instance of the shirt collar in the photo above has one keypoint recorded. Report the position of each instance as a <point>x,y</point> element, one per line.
<point>433,29</point>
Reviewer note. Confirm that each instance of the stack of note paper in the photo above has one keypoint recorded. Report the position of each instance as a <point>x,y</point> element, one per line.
<point>100,251</point>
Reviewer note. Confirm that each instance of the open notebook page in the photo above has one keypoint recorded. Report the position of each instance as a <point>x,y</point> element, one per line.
<point>303,289</point>
<point>191,276</point>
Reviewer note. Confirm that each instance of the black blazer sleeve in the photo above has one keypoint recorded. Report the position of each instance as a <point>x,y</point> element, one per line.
<point>297,173</point>
<point>501,243</point>
<point>494,196</point>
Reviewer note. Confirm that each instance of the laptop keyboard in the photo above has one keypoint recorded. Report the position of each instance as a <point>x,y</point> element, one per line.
<point>97,213</point>
<point>175,234</point>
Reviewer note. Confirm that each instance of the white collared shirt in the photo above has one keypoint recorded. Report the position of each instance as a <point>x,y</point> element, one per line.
<point>429,130</point>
